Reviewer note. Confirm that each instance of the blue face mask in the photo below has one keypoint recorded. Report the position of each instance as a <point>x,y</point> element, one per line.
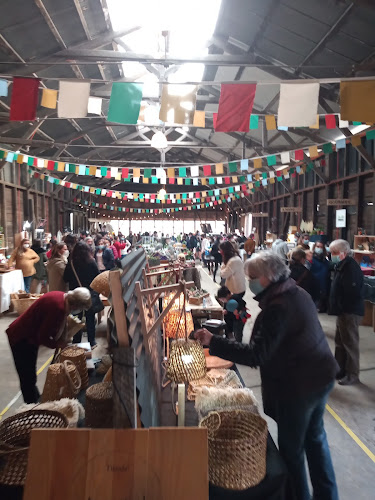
<point>318,250</point>
<point>256,287</point>
<point>306,242</point>
<point>336,259</point>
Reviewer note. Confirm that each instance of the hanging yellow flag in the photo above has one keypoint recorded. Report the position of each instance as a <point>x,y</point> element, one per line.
<point>257,163</point>
<point>145,180</point>
<point>61,166</point>
<point>20,159</point>
<point>92,190</point>
<point>224,191</point>
<point>170,172</point>
<point>180,181</point>
<point>316,124</point>
<point>177,108</point>
<point>49,98</point>
<point>92,171</point>
<point>199,119</point>
<point>203,182</point>
<point>313,150</point>
<point>270,122</point>
<point>235,179</point>
<point>219,168</point>
<point>177,196</point>
<point>357,101</point>
<point>272,180</point>
<point>356,140</point>
<point>136,172</point>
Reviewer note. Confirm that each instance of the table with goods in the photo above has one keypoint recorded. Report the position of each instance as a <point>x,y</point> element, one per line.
<point>11,281</point>
<point>149,422</point>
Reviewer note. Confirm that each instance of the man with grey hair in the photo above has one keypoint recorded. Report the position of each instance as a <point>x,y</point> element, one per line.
<point>297,371</point>
<point>43,323</point>
<point>347,302</point>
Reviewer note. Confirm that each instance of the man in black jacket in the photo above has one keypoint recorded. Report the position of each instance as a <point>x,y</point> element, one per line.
<point>297,371</point>
<point>347,302</point>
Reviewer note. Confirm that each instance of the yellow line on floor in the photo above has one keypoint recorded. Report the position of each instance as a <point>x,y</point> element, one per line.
<point>217,284</point>
<point>351,433</point>
<point>11,403</point>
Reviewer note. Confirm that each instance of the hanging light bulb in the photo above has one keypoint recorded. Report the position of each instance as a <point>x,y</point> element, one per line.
<point>159,141</point>
<point>161,194</point>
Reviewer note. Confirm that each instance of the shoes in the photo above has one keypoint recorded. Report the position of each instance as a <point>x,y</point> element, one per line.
<point>349,380</point>
<point>341,374</point>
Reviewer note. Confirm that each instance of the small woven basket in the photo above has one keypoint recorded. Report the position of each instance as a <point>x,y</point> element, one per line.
<point>101,284</point>
<point>62,381</point>
<point>15,440</point>
<point>77,355</point>
<point>237,444</point>
<point>22,305</point>
<point>99,404</point>
<point>186,361</point>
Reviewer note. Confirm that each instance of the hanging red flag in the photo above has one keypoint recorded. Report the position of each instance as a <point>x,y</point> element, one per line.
<point>235,106</point>
<point>214,118</point>
<point>125,173</point>
<point>207,170</point>
<point>330,121</point>
<point>298,154</point>
<point>24,99</point>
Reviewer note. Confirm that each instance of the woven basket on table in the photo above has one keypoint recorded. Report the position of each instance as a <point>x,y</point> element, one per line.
<point>99,413</point>
<point>237,444</point>
<point>15,440</point>
<point>62,381</point>
<point>101,284</point>
<point>77,355</point>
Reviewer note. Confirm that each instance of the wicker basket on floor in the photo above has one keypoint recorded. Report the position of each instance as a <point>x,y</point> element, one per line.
<point>15,440</point>
<point>22,304</point>
<point>62,381</point>
<point>77,355</point>
<point>99,413</point>
<point>237,444</point>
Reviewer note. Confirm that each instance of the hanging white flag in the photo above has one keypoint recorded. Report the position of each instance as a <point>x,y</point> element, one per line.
<point>298,104</point>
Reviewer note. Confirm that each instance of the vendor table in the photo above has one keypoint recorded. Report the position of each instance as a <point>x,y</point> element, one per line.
<point>273,485</point>
<point>10,282</point>
<point>212,309</point>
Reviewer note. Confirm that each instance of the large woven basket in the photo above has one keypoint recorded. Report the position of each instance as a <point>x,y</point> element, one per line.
<point>22,305</point>
<point>62,381</point>
<point>186,361</point>
<point>237,444</point>
<point>15,440</point>
<point>77,355</point>
<point>99,404</point>
<point>101,284</point>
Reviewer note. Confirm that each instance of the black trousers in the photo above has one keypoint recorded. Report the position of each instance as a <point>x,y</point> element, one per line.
<point>25,356</point>
<point>90,328</point>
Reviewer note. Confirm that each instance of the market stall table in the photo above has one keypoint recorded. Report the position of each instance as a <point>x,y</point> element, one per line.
<point>273,485</point>
<point>10,282</point>
<point>210,309</point>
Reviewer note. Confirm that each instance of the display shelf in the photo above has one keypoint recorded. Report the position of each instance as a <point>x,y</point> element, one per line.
<point>364,252</point>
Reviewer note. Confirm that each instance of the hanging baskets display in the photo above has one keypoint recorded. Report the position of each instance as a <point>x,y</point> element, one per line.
<point>77,355</point>
<point>237,444</point>
<point>62,381</point>
<point>15,440</point>
<point>186,361</point>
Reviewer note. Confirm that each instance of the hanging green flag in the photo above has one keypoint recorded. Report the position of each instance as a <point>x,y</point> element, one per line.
<point>147,173</point>
<point>125,102</point>
<point>254,122</point>
<point>211,180</point>
<point>327,148</point>
<point>182,172</point>
<point>271,160</point>
<point>154,180</point>
<point>232,166</point>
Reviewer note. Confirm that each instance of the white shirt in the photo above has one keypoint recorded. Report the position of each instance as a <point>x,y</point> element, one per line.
<point>234,274</point>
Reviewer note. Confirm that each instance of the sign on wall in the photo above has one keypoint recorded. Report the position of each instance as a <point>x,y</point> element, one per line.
<point>335,202</point>
<point>341,218</point>
<point>260,214</point>
<point>290,209</point>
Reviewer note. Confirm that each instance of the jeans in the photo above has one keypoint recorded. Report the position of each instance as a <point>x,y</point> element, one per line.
<point>90,327</point>
<point>301,431</point>
<point>347,344</point>
<point>27,283</point>
<point>25,356</point>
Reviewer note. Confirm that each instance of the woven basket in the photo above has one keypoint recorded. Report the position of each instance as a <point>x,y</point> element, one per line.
<point>186,361</point>
<point>99,404</point>
<point>62,381</point>
<point>77,355</point>
<point>237,443</point>
<point>101,284</point>
<point>15,440</point>
<point>22,305</point>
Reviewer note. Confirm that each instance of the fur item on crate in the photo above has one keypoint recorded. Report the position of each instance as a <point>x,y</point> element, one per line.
<point>217,398</point>
<point>216,377</point>
<point>71,408</point>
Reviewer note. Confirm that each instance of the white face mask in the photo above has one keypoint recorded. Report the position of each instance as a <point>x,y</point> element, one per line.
<point>66,253</point>
<point>26,245</point>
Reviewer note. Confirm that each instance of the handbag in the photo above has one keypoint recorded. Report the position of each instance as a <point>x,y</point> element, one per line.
<point>96,304</point>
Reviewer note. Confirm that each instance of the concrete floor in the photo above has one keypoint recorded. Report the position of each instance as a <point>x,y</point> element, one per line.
<point>355,406</point>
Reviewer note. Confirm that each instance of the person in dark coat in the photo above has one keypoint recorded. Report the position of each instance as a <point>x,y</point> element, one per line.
<point>347,302</point>
<point>301,275</point>
<point>43,323</point>
<point>83,262</point>
<point>321,270</point>
<point>297,371</point>
<point>215,253</point>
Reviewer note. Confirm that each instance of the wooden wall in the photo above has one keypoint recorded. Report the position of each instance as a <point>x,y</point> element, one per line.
<point>346,174</point>
<point>24,198</point>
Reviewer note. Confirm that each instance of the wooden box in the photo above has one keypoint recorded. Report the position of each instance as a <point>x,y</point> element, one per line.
<point>197,301</point>
<point>143,464</point>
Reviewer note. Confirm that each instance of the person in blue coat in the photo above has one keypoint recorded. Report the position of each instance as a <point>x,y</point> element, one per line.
<point>321,269</point>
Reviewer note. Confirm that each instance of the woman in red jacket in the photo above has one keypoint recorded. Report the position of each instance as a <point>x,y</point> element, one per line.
<point>44,323</point>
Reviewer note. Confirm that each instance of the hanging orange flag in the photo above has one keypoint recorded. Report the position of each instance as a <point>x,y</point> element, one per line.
<point>177,108</point>
<point>270,122</point>
<point>357,101</point>
<point>199,119</point>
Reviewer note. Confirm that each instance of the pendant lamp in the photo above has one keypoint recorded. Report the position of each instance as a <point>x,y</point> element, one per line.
<point>159,141</point>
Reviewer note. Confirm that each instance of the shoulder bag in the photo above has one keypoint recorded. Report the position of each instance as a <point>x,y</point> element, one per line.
<point>96,304</point>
